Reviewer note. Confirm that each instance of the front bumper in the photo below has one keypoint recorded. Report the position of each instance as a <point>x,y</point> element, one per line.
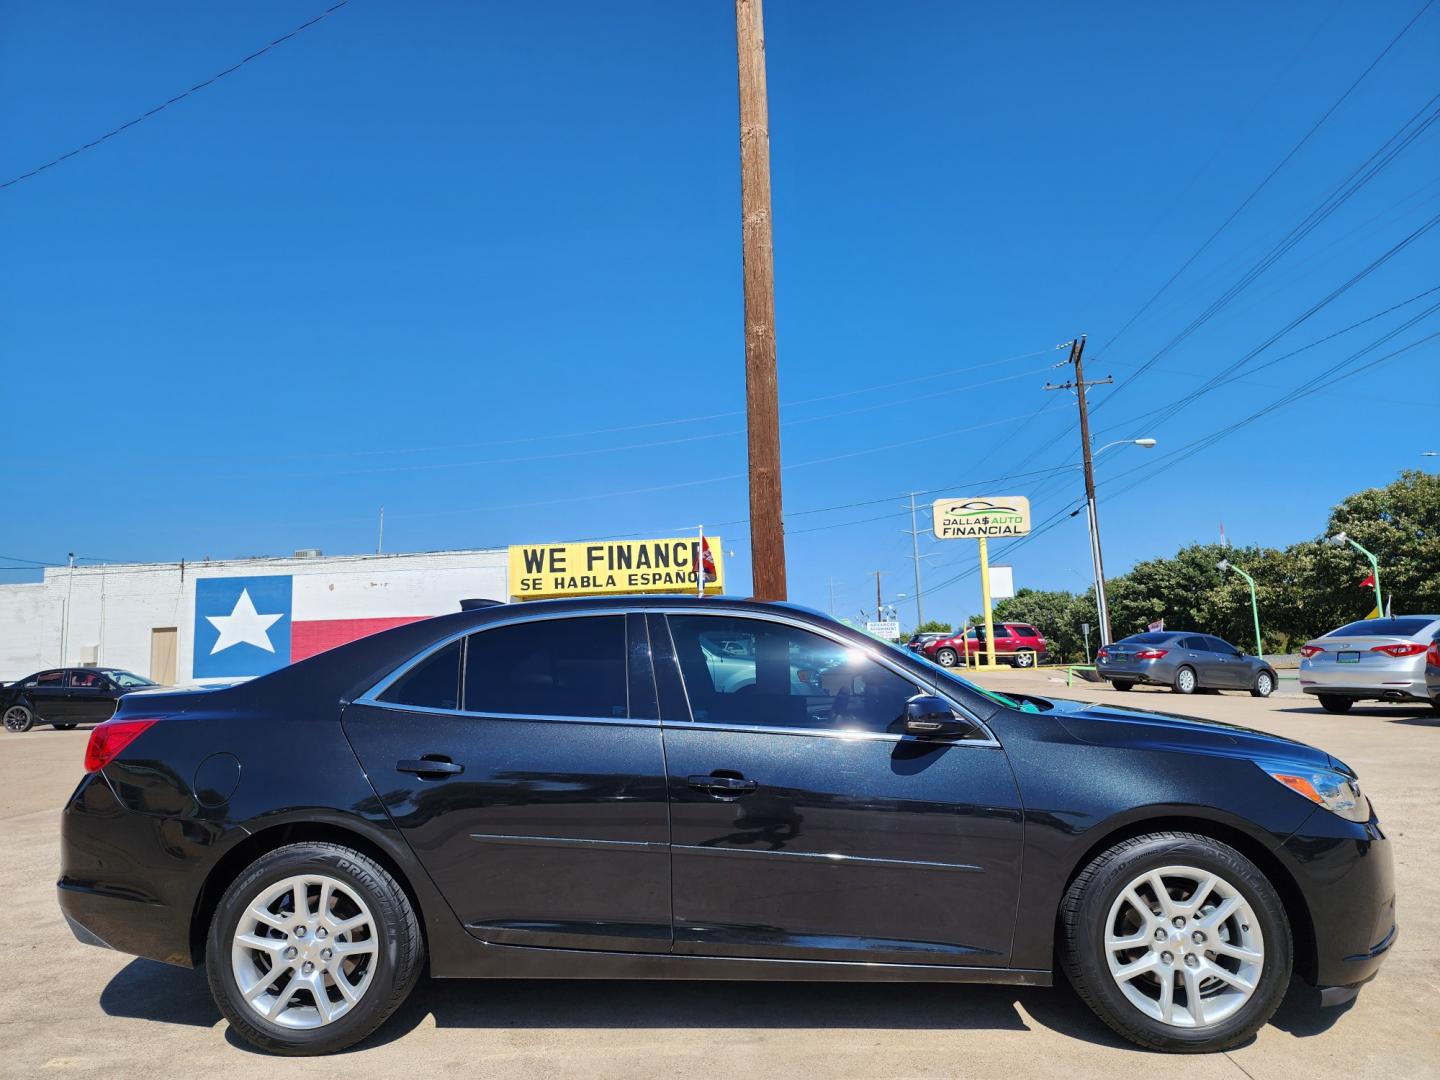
<point>1346,877</point>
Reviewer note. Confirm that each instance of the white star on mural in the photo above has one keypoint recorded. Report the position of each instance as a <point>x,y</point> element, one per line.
<point>243,625</point>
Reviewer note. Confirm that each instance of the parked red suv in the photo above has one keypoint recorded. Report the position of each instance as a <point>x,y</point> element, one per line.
<point>1017,644</point>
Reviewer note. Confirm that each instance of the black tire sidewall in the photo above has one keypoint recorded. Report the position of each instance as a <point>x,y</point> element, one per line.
<point>1088,968</point>
<point>398,960</point>
<point>1333,703</point>
<point>1122,684</point>
<point>30,723</point>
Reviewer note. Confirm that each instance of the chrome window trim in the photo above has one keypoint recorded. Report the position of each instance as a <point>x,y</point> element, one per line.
<point>620,610</point>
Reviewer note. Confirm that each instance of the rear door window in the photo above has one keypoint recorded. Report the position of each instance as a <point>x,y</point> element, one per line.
<point>551,667</point>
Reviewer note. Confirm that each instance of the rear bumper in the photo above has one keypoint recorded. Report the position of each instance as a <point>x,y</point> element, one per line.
<point>1346,875</point>
<point>1411,691</point>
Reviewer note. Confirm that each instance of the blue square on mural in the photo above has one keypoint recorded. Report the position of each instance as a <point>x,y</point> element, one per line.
<point>242,625</point>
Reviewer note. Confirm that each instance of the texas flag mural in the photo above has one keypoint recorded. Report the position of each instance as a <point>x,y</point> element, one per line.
<point>253,625</point>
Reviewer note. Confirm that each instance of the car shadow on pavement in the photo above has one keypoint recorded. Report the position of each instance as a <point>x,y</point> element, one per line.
<point>157,992</point>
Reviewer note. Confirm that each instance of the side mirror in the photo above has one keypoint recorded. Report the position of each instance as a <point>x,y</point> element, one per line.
<point>927,715</point>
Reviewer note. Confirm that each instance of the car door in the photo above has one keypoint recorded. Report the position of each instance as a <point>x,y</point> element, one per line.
<point>1195,652</point>
<point>48,696</point>
<point>90,697</point>
<point>1232,672</point>
<point>803,826</point>
<point>524,765</point>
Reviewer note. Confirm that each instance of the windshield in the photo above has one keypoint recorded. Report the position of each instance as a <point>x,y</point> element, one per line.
<point>999,699</point>
<point>1382,627</point>
<point>128,680</point>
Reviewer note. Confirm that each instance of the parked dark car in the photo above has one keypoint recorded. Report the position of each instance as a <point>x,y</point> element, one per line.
<point>918,641</point>
<point>562,790</point>
<point>1184,661</point>
<point>64,697</point>
<point>1017,644</point>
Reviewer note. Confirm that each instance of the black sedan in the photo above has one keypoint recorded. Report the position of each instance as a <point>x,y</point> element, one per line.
<point>1184,661</point>
<point>64,697</point>
<point>566,789</point>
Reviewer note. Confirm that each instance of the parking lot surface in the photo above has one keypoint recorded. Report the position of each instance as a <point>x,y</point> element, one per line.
<point>68,1008</point>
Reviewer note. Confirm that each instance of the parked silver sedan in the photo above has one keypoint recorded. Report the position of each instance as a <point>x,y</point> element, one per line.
<point>1369,660</point>
<point>1184,661</point>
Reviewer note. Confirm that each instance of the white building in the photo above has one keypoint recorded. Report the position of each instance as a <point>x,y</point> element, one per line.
<point>179,621</point>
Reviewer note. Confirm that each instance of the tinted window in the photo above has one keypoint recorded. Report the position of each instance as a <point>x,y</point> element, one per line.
<point>1001,630</point>
<point>49,678</point>
<point>1388,627</point>
<point>1146,639</point>
<point>1195,643</point>
<point>1028,631</point>
<point>1224,648</point>
<point>87,680</point>
<point>787,677</point>
<point>432,684</point>
<point>552,667</point>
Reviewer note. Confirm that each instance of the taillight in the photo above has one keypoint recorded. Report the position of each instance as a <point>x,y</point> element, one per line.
<point>109,738</point>
<point>1150,654</point>
<point>1308,651</point>
<point>1432,656</point>
<point>1103,654</point>
<point>1404,648</point>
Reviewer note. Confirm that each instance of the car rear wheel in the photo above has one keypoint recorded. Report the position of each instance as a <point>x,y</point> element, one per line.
<point>1177,941</point>
<point>1264,685</point>
<point>18,718</point>
<point>1024,658</point>
<point>1185,682</point>
<point>1335,703</point>
<point>311,949</point>
<point>947,657</point>
<point>1121,684</point>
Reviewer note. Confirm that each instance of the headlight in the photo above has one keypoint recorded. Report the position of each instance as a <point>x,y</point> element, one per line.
<point>1336,792</point>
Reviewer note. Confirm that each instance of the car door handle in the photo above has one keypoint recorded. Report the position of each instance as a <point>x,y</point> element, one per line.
<point>723,786</point>
<point>431,765</point>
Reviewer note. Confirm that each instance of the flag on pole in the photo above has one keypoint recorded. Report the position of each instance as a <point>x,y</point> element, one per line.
<point>1156,626</point>
<point>1368,583</point>
<point>703,565</point>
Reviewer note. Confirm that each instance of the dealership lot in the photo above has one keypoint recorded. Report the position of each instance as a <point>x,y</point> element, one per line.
<point>70,1008</point>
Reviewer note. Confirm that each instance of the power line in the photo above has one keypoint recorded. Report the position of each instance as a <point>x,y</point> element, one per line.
<point>177,98</point>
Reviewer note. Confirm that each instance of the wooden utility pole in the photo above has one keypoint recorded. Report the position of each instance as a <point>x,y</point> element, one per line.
<point>767,530</point>
<point>879,609</point>
<point>1078,384</point>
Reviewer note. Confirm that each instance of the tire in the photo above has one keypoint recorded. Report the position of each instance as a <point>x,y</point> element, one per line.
<point>947,657</point>
<point>63,727</point>
<point>19,719</point>
<point>1335,703</point>
<point>1024,659</point>
<point>1121,684</point>
<point>1185,680</point>
<point>1135,1006</point>
<point>1264,685</point>
<point>381,976</point>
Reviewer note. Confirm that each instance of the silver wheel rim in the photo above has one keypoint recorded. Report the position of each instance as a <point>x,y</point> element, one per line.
<point>16,717</point>
<point>1024,659</point>
<point>1184,946</point>
<point>1264,685</point>
<point>947,658</point>
<point>305,951</point>
<point>1186,680</point>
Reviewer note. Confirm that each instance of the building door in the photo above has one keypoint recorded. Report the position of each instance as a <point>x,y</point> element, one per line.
<point>162,654</point>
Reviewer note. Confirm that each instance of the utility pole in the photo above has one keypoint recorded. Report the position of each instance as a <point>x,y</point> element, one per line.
<point>878,608</point>
<point>762,409</point>
<point>915,554</point>
<point>832,598</point>
<point>1078,384</point>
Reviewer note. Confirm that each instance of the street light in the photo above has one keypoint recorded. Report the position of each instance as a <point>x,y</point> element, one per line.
<point>1225,564</point>
<point>1101,606</point>
<point>1340,540</point>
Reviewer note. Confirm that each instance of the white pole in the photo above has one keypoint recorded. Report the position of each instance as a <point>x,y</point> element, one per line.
<point>380,544</point>
<point>65,626</point>
<point>700,565</point>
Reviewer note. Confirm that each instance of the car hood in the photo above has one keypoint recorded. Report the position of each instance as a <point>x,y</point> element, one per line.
<point>1113,725</point>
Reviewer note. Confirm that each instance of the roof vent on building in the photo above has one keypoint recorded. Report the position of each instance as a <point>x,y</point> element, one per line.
<point>308,553</point>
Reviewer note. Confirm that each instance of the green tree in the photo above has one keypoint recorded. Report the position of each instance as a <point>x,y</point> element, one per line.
<point>1400,523</point>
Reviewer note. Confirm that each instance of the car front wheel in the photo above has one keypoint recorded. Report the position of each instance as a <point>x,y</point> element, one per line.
<point>947,657</point>
<point>311,949</point>
<point>1177,941</point>
<point>1264,685</point>
<point>19,719</point>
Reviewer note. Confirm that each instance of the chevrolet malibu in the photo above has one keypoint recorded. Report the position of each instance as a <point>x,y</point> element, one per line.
<point>566,790</point>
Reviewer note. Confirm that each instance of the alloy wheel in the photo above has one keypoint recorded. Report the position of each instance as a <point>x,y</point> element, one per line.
<point>17,718</point>
<point>1184,946</point>
<point>304,951</point>
<point>1264,684</point>
<point>1185,681</point>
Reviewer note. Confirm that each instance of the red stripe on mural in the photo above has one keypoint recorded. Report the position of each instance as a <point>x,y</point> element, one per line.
<point>309,638</point>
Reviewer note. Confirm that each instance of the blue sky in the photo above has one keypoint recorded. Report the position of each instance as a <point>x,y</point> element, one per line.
<point>481,265</point>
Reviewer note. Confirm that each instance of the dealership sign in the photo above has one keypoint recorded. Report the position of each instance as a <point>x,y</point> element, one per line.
<point>611,566</point>
<point>974,519</point>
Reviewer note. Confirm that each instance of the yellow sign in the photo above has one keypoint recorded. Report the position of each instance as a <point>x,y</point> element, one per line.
<point>971,519</point>
<point>611,566</point>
